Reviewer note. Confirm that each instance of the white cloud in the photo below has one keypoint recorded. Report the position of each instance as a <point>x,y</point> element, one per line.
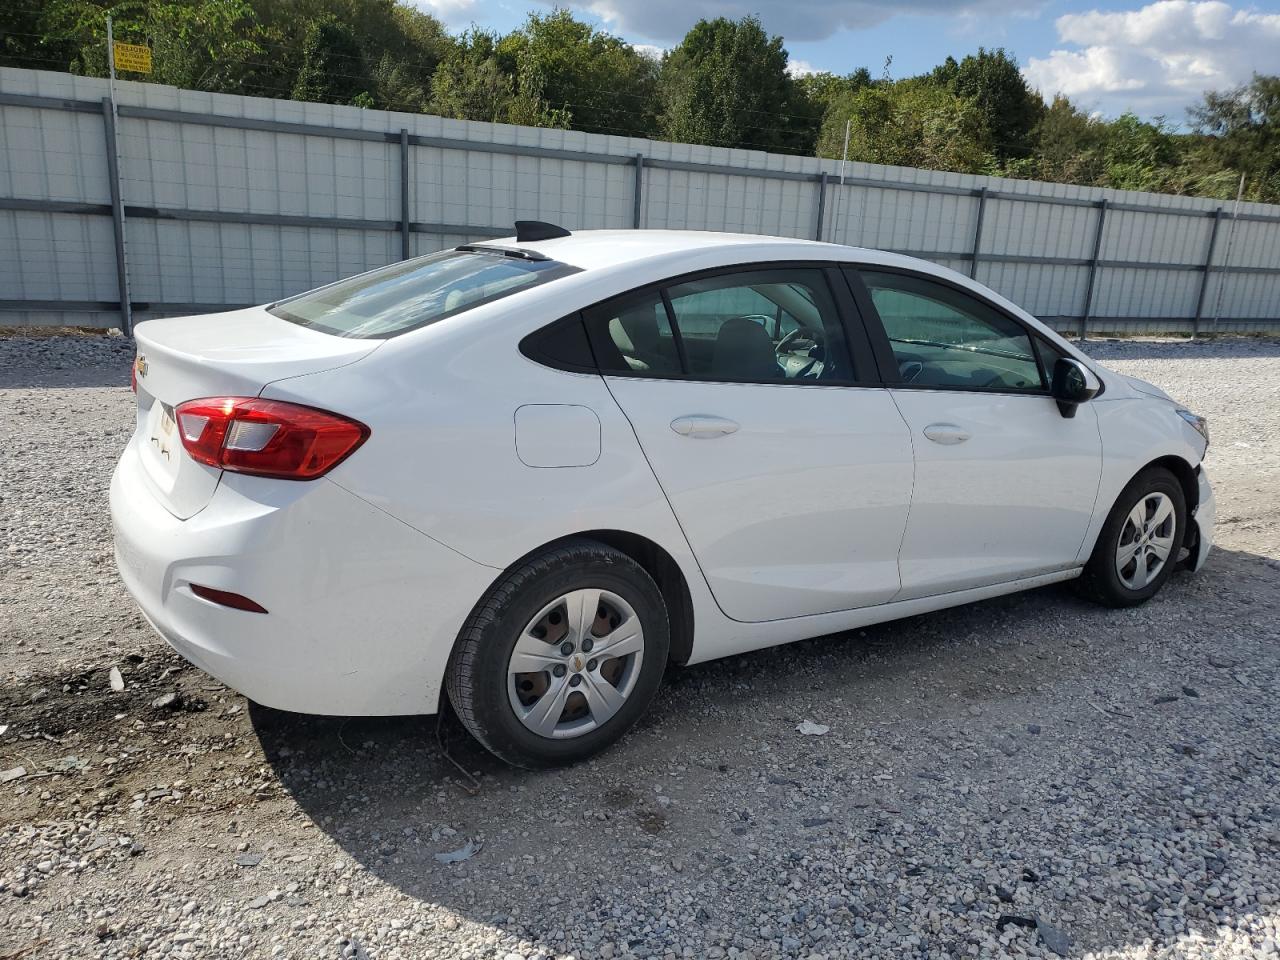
<point>796,20</point>
<point>454,13</point>
<point>801,68</point>
<point>1158,59</point>
<point>650,50</point>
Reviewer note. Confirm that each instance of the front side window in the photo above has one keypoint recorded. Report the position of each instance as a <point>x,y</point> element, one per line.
<point>760,325</point>
<point>413,293</point>
<point>942,337</point>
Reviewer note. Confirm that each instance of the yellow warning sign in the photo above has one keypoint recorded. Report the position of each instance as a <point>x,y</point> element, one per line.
<point>132,56</point>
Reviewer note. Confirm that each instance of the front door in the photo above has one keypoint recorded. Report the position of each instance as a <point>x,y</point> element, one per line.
<point>1004,483</point>
<point>791,482</point>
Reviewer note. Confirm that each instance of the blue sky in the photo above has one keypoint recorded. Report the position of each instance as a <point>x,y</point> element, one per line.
<point>1109,56</point>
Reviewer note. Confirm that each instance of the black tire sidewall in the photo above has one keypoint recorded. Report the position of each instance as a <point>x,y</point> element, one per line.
<point>1104,574</point>
<point>504,733</point>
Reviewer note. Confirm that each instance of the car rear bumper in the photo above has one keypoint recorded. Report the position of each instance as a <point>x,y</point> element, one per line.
<point>362,609</point>
<point>1203,518</point>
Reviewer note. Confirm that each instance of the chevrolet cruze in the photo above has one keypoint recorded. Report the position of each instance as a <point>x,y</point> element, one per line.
<point>529,474</point>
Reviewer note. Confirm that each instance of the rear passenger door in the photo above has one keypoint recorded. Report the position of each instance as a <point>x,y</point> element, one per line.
<point>1004,484</point>
<point>788,468</point>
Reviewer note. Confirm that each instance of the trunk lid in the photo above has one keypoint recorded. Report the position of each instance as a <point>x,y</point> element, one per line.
<point>226,354</point>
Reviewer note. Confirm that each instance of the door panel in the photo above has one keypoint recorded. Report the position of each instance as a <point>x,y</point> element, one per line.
<point>794,498</point>
<point>1005,485</point>
<point>1004,488</point>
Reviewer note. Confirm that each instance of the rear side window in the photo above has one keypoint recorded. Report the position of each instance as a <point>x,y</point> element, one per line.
<point>413,293</point>
<point>760,325</point>
<point>774,325</point>
<point>632,335</point>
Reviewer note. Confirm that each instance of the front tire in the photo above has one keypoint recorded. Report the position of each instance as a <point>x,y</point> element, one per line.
<point>1140,542</point>
<point>561,656</point>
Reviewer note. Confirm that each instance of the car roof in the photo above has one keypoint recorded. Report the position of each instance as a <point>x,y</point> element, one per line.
<point>603,249</point>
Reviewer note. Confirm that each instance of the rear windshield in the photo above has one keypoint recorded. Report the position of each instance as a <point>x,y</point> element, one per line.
<point>410,294</point>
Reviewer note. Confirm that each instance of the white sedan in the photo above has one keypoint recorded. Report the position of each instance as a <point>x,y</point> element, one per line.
<point>529,474</point>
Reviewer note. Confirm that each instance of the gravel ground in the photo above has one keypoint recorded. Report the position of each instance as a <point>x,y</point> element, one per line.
<point>1031,776</point>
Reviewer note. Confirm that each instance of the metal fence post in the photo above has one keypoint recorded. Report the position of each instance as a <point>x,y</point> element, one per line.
<point>822,204</point>
<point>404,194</point>
<point>1208,268</point>
<point>1093,268</point>
<point>637,193</point>
<point>977,232</point>
<point>117,218</point>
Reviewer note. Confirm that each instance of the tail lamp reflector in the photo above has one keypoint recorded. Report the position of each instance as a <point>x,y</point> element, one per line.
<point>226,598</point>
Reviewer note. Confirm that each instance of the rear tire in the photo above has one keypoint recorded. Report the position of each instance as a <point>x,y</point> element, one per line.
<point>1140,542</point>
<point>549,615</point>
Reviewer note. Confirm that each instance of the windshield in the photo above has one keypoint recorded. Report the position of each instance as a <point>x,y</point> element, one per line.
<point>412,293</point>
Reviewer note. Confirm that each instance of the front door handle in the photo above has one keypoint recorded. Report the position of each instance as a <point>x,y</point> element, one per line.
<point>702,427</point>
<point>948,434</point>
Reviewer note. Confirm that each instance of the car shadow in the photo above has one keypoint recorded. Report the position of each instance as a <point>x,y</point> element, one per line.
<point>683,833</point>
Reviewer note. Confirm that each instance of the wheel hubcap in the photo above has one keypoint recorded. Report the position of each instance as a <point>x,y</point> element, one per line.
<point>1146,541</point>
<point>555,689</point>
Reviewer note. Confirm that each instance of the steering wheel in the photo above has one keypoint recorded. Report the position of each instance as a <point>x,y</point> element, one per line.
<point>908,370</point>
<point>792,337</point>
<point>788,339</point>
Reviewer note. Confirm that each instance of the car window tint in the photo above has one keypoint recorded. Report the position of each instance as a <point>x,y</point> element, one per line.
<point>764,325</point>
<point>414,293</point>
<point>631,335</point>
<point>562,345</point>
<point>944,338</point>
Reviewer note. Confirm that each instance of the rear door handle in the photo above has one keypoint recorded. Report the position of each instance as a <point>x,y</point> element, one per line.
<point>948,434</point>
<point>702,427</point>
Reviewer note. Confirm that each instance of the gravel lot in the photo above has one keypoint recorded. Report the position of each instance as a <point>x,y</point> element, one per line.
<point>1031,776</point>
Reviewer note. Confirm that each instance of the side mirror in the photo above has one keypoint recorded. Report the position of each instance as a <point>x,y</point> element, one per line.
<point>1073,384</point>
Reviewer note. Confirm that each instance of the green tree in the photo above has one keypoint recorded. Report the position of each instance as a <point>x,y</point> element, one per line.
<point>332,68</point>
<point>602,83</point>
<point>1139,155</point>
<point>28,40</point>
<point>992,81</point>
<point>471,85</point>
<point>1239,133</point>
<point>822,89</point>
<point>1068,145</point>
<point>196,44</point>
<point>913,123</point>
<point>817,93</point>
<point>399,47</point>
<point>726,84</point>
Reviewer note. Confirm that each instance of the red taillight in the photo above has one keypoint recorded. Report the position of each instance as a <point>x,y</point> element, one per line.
<point>226,598</point>
<point>268,438</point>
